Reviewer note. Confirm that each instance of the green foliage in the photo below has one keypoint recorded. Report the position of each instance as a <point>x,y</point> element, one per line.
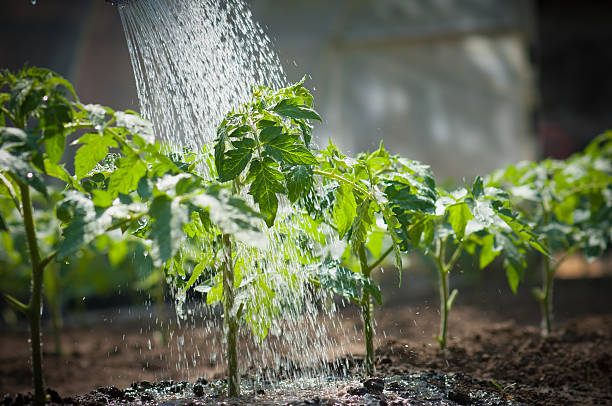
<point>270,136</point>
<point>569,202</point>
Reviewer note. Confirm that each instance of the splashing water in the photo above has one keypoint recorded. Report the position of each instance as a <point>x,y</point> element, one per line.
<point>194,61</point>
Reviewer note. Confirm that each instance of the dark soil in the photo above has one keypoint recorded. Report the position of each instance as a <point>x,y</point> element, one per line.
<point>492,359</point>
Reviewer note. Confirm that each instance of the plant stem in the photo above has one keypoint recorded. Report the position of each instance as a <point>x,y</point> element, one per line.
<point>443,308</point>
<point>339,178</point>
<point>366,314</point>
<point>381,258</point>
<point>230,320</point>
<point>34,307</point>
<point>548,274</point>
<point>445,300</point>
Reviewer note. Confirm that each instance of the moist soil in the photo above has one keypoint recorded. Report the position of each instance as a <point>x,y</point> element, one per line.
<point>494,357</point>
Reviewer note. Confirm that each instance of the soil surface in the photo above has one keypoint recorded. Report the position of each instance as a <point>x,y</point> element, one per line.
<point>493,358</point>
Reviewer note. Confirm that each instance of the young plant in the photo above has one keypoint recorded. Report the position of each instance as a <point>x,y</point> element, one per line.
<point>361,215</point>
<point>461,221</point>
<point>262,149</point>
<point>139,191</point>
<point>569,204</point>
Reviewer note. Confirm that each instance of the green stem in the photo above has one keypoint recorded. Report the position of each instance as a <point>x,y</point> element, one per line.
<point>34,307</point>
<point>548,274</point>
<point>230,320</point>
<point>381,259</point>
<point>366,313</point>
<point>445,300</point>
<point>339,178</point>
<point>443,308</point>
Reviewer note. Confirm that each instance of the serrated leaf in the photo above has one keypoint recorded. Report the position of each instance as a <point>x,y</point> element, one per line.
<point>126,177</point>
<point>345,209</point>
<point>95,149</point>
<point>293,109</point>
<point>489,250</point>
<point>232,215</point>
<point>514,277</point>
<point>136,125</point>
<point>84,224</point>
<point>166,233</point>
<point>265,184</point>
<point>220,145</point>
<point>22,171</point>
<point>287,149</point>
<point>234,163</point>
<point>477,187</point>
<point>54,146</point>
<point>267,134</point>
<point>458,216</point>
<point>299,181</point>
<point>96,114</point>
<point>363,222</point>
<point>392,225</point>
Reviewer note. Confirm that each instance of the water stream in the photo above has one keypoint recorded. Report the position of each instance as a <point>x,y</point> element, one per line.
<point>194,61</point>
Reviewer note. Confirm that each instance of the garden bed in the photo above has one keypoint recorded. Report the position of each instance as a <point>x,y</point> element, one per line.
<point>492,358</point>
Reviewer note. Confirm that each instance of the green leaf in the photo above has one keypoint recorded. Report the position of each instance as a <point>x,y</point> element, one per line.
<point>220,145</point>
<point>22,171</point>
<point>489,250</point>
<point>477,187</point>
<point>3,226</point>
<point>234,162</point>
<point>267,134</point>
<point>126,177</point>
<point>514,277</point>
<point>363,222</point>
<point>299,181</point>
<point>197,271</point>
<point>117,252</point>
<point>292,109</point>
<point>84,224</point>
<point>96,114</point>
<point>345,209</point>
<point>232,215</point>
<point>287,149</point>
<point>458,216</point>
<point>136,125</point>
<point>265,184</point>
<point>167,228</point>
<point>55,147</point>
<point>393,225</point>
<point>95,149</point>
<point>102,198</point>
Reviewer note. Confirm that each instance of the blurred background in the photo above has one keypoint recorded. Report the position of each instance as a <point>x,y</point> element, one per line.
<point>465,86</point>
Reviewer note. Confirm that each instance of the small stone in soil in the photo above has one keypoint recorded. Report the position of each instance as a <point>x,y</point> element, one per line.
<point>376,385</point>
<point>54,397</point>
<point>198,390</point>
<point>358,391</point>
<point>459,397</point>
